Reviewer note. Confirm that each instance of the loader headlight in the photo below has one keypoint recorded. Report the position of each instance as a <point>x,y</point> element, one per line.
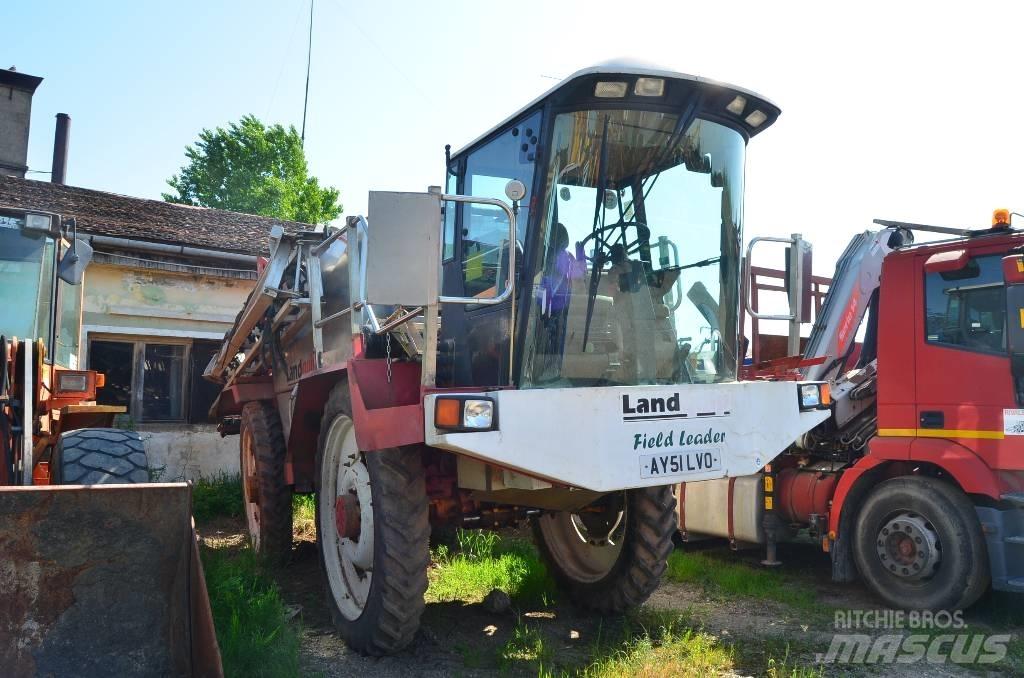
<point>464,413</point>
<point>74,382</point>
<point>814,396</point>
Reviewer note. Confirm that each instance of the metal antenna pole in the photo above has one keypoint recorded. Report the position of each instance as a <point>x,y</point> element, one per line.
<point>309,59</point>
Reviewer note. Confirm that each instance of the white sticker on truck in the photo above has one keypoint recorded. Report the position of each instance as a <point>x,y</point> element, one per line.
<point>1013,422</point>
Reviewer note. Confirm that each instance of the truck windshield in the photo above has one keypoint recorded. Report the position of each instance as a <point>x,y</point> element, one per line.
<point>26,266</point>
<point>638,281</point>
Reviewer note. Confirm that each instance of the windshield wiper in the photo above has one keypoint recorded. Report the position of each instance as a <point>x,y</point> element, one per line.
<point>598,263</point>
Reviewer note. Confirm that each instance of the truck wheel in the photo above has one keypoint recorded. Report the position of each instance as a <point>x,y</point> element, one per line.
<point>100,456</point>
<point>918,545</point>
<point>373,530</point>
<point>610,559</point>
<point>266,497</point>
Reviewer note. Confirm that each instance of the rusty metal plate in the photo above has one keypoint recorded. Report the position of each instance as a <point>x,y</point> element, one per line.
<point>101,580</point>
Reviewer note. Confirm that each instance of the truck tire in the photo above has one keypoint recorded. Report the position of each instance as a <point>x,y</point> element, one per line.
<point>373,531</point>
<point>266,497</point>
<point>100,456</point>
<point>918,545</point>
<point>612,560</point>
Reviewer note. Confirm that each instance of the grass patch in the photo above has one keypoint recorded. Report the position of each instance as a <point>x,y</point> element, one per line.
<point>218,496</point>
<point>736,578</point>
<point>659,643</point>
<point>249,616</point>
<point>1015,655</point>
<point>484,561</point>
<point>304,516</point>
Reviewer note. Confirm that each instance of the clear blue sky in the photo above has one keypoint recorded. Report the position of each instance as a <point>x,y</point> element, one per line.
<point>897,110</point>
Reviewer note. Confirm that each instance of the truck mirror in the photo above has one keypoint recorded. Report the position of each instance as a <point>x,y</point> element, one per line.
<point>71,268</point>
<point>1013,277</point>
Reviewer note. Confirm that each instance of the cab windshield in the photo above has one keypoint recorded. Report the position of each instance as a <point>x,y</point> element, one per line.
<point>26,269</point>
<point>638,281</point>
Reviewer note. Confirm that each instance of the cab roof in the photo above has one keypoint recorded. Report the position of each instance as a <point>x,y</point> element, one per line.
<point>634,67</point>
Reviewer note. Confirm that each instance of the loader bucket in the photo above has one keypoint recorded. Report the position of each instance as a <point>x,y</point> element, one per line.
<point>103,580</point>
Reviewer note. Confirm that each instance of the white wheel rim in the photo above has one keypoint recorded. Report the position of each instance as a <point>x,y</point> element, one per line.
<point>252,509</point>
<point>583,558</point>
<point>349,562</point>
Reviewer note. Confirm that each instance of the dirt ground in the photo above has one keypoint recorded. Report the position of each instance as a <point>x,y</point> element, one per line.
<point>463,639</point>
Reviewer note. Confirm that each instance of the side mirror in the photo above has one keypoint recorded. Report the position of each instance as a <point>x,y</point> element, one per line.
<point>71,268</point>
<point>1013,277</point>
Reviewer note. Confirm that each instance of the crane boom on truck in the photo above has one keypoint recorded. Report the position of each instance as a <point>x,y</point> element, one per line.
<point>553,337</point>
<point>914,483</point>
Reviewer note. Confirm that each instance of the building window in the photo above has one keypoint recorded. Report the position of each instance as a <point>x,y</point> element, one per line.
<point>158,380</point>
<point>967,308</point>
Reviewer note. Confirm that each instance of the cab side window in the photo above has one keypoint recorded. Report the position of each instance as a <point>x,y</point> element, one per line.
<point>967,308</point>
<point>512,155</point>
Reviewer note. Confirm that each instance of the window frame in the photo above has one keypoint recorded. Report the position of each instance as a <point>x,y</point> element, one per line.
<point>139,343</point>
<point>995,255</point>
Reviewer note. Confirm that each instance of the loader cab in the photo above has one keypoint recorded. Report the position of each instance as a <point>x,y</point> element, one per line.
<point>38,304</point>
<point>628,238</point>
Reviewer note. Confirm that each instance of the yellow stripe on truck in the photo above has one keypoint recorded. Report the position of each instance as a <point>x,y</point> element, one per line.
<point>939,433</point>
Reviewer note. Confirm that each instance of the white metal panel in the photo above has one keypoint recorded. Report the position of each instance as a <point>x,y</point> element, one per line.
<point>588,438</point>
<point>403,252</point>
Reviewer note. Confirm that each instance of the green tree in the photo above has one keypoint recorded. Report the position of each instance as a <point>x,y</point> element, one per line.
<point>252,168</point>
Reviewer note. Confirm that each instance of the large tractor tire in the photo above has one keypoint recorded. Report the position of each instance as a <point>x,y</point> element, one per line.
<point>918,545</point>
<point>100,456</point>
<point>266,496</point>
<point>373,530</point>
<point>610,558</point>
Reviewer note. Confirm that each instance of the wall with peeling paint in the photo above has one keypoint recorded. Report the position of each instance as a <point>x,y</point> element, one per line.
<point>147,303</point>
<point>122,297</point>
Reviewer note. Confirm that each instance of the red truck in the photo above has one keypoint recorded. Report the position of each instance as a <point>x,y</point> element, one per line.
<point>916,481</point>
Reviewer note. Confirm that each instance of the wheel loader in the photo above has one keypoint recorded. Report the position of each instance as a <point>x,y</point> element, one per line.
<point>552,338</point>
<point>99,569</point>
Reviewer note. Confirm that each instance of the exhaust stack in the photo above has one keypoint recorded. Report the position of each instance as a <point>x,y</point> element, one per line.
<point>61,137</point>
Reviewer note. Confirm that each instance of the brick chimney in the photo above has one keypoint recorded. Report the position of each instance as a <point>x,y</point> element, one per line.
<point>16,90</point>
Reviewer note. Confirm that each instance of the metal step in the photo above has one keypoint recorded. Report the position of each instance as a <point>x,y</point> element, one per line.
<point>1016,584</point>
<point>1014,540</point>
<point>1015,498</point>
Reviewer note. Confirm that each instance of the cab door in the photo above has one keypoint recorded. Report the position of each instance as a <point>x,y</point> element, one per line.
<point>476,339</point>
<point>964,382</point>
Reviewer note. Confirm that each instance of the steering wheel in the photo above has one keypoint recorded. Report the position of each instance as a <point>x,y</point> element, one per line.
<point>629,247</point>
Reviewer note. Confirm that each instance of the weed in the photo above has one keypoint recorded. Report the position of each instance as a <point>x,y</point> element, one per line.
<point>249,616</point>
<point>484,562</point>
<point>525,646</point>
<point>304,516</point>
<point>218,496</point>
<point>737,578</point>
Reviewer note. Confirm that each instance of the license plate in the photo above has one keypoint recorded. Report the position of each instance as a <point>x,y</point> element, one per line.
<point>679,463</point>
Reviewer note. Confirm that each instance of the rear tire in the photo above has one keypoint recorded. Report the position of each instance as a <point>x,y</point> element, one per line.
<point>100,456</point>
<point>619,570</point>
<point>266,497</point>
<point>918,545</point>
<point>375,578</point>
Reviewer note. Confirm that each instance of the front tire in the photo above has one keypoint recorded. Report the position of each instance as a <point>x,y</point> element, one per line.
<point>100,456</point>
<point>373,531</point>
<point>612,559</point>
<point>918,545</point>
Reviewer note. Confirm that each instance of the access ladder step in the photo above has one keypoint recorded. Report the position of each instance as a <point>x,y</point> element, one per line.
<point>1014,540</point>
<point>1016,584</point>
<point>1015,498</point>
